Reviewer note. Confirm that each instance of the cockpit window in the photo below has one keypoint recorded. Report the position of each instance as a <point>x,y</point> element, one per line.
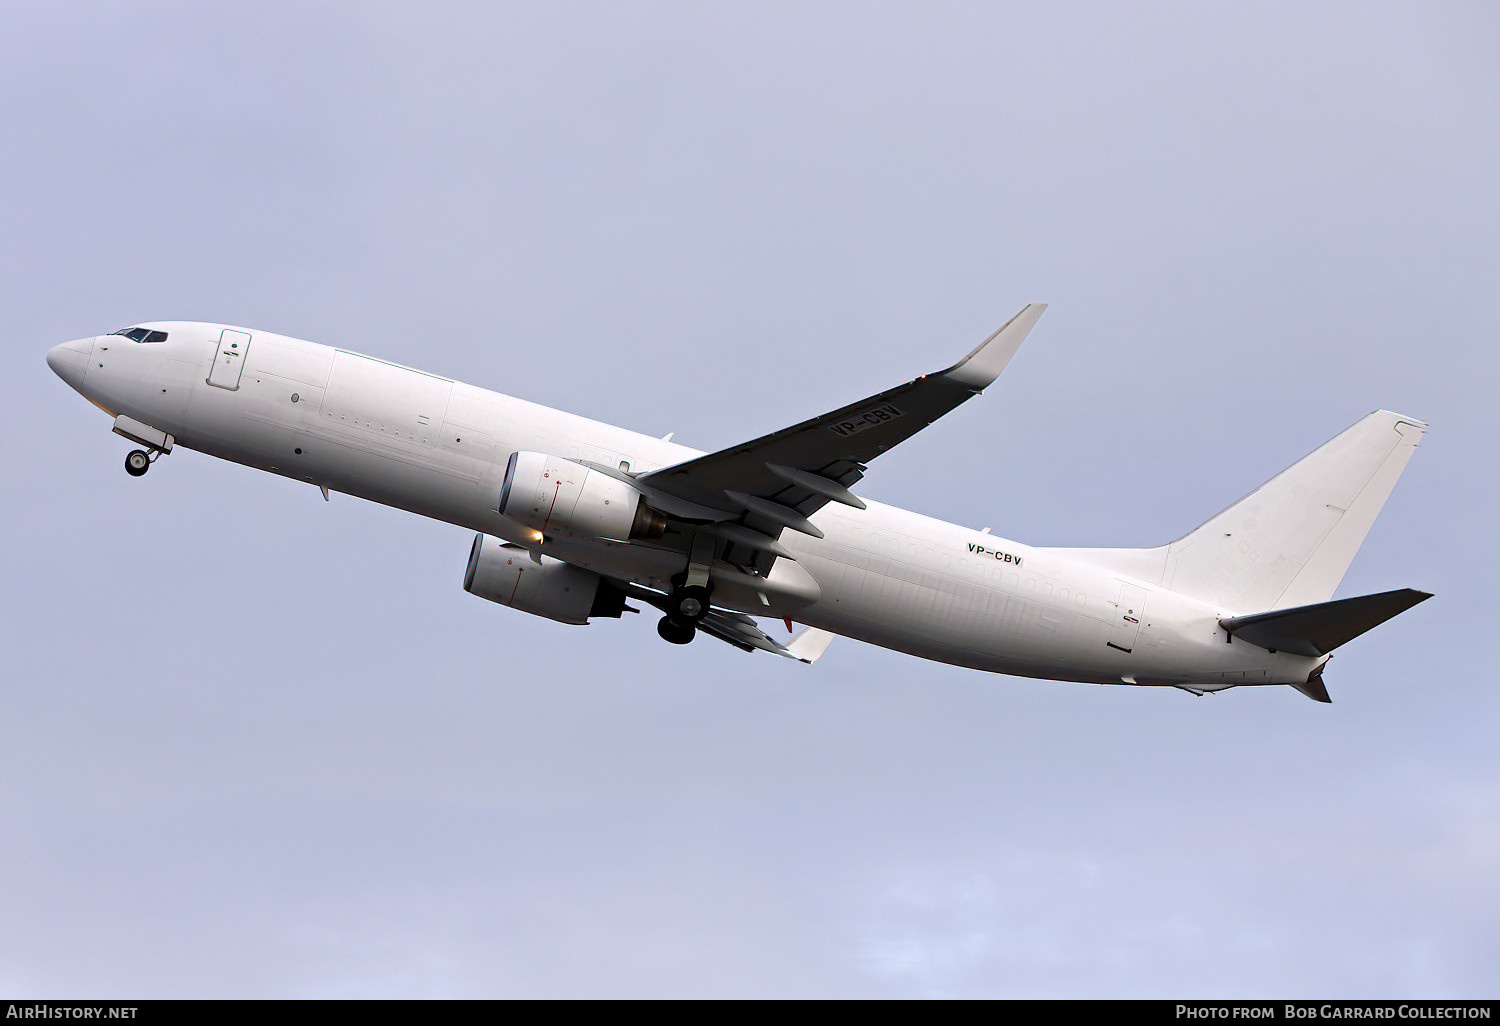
<point>142,334</point>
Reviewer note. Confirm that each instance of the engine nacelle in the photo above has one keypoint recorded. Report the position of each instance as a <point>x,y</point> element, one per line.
<point>559,591</point>
<point>560,497</point>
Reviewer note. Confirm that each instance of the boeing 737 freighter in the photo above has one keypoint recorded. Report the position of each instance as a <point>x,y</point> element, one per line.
<point>575,518</point>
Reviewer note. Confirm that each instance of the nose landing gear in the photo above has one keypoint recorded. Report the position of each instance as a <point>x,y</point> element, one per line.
<point>156,442</point>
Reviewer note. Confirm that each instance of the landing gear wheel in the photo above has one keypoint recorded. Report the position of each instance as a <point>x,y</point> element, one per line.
<point>688,605</point>
<point>676,633</point>
<point>137,463</point>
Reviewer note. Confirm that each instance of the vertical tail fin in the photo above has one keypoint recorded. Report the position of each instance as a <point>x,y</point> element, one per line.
<point>1289,542</point>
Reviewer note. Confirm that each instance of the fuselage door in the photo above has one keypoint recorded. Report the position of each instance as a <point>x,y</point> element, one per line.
<point>229,359</point>
<point>1132,606</point>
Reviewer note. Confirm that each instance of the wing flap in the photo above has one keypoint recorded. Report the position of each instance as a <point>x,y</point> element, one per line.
<point>809,644</point>
<point>742,631</point>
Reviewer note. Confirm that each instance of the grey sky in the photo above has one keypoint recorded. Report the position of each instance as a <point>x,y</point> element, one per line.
<point>260,746</point>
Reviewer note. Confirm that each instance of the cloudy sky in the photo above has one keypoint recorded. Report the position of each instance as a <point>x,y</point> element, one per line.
<point>256,745</point>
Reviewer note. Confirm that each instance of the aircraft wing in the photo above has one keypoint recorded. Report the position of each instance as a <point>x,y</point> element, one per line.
<point>779,480</point>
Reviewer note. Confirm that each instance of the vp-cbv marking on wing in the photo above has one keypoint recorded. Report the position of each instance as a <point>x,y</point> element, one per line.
<point>873,417</point>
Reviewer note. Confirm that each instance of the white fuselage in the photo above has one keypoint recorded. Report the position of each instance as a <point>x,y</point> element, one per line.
<point>884,575</point>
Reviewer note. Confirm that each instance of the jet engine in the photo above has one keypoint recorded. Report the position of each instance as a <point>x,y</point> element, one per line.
<point>559,591</point>
<point>557,496</point>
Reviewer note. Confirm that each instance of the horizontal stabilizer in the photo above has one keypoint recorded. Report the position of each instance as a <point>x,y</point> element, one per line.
<point>1319,629</point>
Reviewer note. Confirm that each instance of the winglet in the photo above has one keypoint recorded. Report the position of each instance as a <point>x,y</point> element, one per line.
<point>809,645</point>
<point>985,363</point>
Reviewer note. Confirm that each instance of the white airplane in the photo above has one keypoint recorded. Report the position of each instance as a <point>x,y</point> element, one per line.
<point>575,517</point>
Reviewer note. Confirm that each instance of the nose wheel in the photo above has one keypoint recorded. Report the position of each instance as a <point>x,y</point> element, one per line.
<point>137,463</point>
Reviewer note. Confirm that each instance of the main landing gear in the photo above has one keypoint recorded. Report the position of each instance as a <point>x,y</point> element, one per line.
<point>687,603</point>
<point>685,606</point>
<point>139,461</point>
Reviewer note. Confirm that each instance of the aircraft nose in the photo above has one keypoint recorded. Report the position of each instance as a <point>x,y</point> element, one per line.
<point>69,360</point>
